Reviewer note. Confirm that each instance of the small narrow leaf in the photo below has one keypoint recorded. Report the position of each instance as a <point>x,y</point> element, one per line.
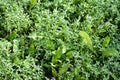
<point>23,55</point>
<point>15,46</point>
<point>86,39</point>
<point>63,49</point>
<point>106,41</point>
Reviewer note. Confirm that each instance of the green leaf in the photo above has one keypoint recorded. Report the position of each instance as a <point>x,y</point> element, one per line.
<point>34,36</point>
<point>16,60</point>
<point>54,72</point>
<point>76,71</point>
<point>113,76</point>
<point>22,54</point>
<point>50,44</point>
<point>86,39</point>
<point>63,49</point>
<point>64,68</point>
<point>57,55</point>
<point>109,52</point>
<point>106,41</point>
<point>32,3</point>
<point>69,54</point>
<point>22,41</point>
<point>15,46</point>
<point>12,35</point>
<point>31,49</point>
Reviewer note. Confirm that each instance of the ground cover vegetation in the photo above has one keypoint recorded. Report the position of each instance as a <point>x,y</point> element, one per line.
<point>60,39</point>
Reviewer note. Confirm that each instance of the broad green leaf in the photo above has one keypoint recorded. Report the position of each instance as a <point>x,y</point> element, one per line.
<point>22,41</point>
<point>80,78</point>
<point>89,28</point>
<point>57,55</point>
<point>109,52</point>
<point>69,54</point>
<point>63,46</point>
<point>102,31</point>
<point>12,35</point>
<point>76,71</point>
<point>113,76</point>
<point>106,41</point>
<point>31,49</point>
<point>54,72</point>
<point>50,44</point>
<point>86,39</point>
<point>64,68</point>
<point>32,3</point>
<point>47,65</point>
<point>16,60</point>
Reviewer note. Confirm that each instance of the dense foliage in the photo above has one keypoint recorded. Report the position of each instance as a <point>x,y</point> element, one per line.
<point>60,39</point>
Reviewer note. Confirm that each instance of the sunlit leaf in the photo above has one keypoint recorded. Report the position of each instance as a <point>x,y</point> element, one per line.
<point>16,60</point>
<point>63,49</point>
<point>15,46</point>
<point>106,41</point>
<point>54,72</point>
<point>31,48</point>
<point>32,3</point>
<point>57,55</point>
<point>109,52</point>
<point>69,54</point>
<point>64,68</point>
<point>86,39</point>
<point>113,76</point>
<point>35,36</point>
<point>76,71</point>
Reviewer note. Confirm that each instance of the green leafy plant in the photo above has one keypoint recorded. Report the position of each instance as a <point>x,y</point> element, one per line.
<point>59,39</point>
<point>86,39</point>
